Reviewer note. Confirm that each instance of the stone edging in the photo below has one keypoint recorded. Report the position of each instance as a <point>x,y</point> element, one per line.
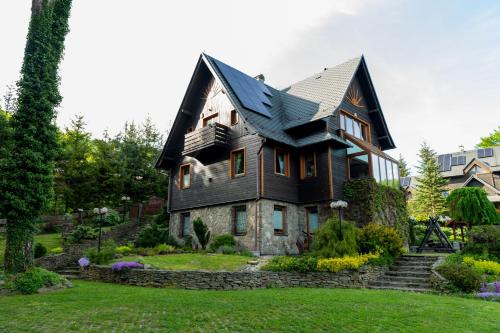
<point>438,282</point>
<point>232,280</point>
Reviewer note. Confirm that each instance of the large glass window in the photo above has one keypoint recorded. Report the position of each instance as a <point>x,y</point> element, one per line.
<point>385,171</point>
<point>308,165</point>
<point>354,127</point>
<point>279,219</point>
<point>185,176</point>
<point>312,219</point>
<point>240,220</point>
<point>238,163</point>
<point>282,162</point>
<point>376,167</point>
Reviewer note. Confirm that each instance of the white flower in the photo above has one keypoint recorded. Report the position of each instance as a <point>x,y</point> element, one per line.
<point>96,210</point>
<point>338,204</point>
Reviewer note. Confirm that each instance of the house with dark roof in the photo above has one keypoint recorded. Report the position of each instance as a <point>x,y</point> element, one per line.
<point>263,163</point>
<point>477,167</point>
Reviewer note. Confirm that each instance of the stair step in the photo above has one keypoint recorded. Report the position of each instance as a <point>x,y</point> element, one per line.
<point>70,277</point>
<point>409,274</point>
<point>394,284</point>
<point>417,290</point>
<point>409,279</point>
<point>410,269</point>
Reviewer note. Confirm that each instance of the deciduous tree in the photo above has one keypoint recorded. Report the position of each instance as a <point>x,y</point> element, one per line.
<point>491,140</point>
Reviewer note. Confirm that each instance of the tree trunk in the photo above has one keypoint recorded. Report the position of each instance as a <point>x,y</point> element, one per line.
<point>19,246</point>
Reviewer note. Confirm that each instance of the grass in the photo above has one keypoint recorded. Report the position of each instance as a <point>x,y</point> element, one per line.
<point>99,307</point>
<point>193,261</point>
<point>49,240</point>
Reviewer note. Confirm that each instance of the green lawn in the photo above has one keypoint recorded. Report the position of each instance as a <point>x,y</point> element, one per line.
<point>99,307</point>
<point>49,240</point>
<point>193,261</point>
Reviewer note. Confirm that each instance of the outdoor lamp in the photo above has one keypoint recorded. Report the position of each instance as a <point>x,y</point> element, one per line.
<point>339,204</point>
<point>101,212</point>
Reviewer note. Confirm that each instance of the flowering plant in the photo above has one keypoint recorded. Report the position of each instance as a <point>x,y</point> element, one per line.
<point>83,262</point>
<point>126,265</point>
<point>338,204</point>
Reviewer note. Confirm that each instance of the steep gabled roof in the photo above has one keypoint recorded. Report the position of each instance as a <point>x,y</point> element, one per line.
<point>272,112</point>
<point>485,184</point>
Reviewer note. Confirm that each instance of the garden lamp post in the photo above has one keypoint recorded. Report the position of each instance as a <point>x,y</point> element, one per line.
<point>139,203</point>
<point>125,201</point>
<point>339,204</point>
<point>100,212</point>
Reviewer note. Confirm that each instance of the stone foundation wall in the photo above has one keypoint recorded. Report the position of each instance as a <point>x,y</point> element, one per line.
<point>232,280</point>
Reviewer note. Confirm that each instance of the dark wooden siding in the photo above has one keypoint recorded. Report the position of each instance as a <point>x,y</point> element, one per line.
<point>316,188</point>
<point>279,187</point>
<point>339,172</point>
<point>210,179</point>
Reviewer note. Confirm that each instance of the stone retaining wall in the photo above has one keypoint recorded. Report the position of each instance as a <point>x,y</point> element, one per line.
<point>232,280</point>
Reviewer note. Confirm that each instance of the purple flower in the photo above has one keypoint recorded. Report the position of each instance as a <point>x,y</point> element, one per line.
<point>126,265</point>
<point>83,262</point>
<point>497,287</point>
<point>489,295</point>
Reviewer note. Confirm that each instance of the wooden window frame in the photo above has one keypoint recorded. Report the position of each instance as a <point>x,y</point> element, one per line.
<point>282,232</point>
<point>235,231</point>
<point>181,182</point>
<point>231,162</point>
<point>355,119</point>
<point>307,217</point>
<point>212,116</point>
<point>287,162</point>
<point>234,118</point>
<point>303,165</point>
<point>181,223</point>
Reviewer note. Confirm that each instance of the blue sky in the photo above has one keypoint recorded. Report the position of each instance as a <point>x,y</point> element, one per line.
<point>435,64</point>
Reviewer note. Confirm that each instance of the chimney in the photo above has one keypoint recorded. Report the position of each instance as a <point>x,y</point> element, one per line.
<point>462,149</point>
<point>260,77</point>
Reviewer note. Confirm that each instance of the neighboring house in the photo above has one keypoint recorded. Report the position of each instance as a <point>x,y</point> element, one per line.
<point>478,167</point>
<point>264,164</point>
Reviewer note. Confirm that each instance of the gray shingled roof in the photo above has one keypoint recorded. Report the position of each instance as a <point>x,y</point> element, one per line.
<point>308,101</point>
<point>458,170</point>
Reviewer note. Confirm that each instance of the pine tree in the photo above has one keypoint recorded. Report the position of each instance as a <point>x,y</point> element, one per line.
<point>403,167</point>
<point>429,199</point>
<point>28,187</point>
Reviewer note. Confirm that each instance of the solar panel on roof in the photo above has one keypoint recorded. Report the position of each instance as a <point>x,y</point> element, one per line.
<point>447,162</point>
<point>441,162</point>
<point>480,153</point>
<point>461,160</point>
<point>488,152</point>
<point>405,181</point>
<point>251,92</point>
<point>454,160</point>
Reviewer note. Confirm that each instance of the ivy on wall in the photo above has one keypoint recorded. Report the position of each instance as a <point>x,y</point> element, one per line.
<point>372,202</point>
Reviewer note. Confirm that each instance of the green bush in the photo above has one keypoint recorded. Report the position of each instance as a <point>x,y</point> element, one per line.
<point>226,249</point>
<point>105,256</point>
<point>123,250</point>
<point>378,238</point>
<point>111,218</point>
<point>461,276</point>
<point>222,240</point>
<point>30,281</point>
<point>40,250</point>
<point>188,243</point>
<point>201,231</point>
<point>292,264</point>
<point>328,243</point>
<point>82,232</point>
<point>152,235</point>
<point>484,240</point>
<point>471,204</point>
<point>164,249</point>
<point>56,250</point>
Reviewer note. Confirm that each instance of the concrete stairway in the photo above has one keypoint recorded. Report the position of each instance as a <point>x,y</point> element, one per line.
<point>409,273</point>
<point>70,272</point>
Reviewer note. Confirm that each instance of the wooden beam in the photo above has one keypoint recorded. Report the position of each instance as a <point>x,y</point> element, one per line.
<point>186,112</point>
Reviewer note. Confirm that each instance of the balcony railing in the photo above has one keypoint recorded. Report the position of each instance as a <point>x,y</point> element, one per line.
<point>214,135</point>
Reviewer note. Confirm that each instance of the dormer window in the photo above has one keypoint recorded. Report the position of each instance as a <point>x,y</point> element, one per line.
<point>354,126</point>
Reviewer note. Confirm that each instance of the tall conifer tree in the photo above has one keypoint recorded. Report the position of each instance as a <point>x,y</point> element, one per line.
<point>429,198</point>
<point>403,167</point>
<point>26,191</point>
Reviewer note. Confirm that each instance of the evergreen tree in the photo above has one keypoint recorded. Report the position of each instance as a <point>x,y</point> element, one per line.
<point>429,199</point>
<point>404,171</point>
<point>491,140</point>
<point>26,191</point>
<point>471,205</point>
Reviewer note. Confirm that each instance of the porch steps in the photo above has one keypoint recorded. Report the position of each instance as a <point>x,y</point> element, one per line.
<point>70,272</point>
<point>409,273</point>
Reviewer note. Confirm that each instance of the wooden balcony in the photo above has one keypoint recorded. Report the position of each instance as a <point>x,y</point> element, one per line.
<point>212,136</point>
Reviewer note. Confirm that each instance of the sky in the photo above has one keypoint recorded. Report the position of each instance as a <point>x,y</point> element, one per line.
<point>435,65</point>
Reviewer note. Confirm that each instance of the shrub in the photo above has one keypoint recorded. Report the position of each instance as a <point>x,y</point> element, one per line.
<point>123,250</point>
<point>188,243</point>
<point>222,240</point>
<point>347,262</point>
<point>82,232</point>
<point>56,250</point>
<point>484,240</point>
<point>471,204</point>
<point>152,235</point>
<point>461,276</point>
<point>30,281</point>
<point>201,231</point>
<point>40,250</point>
<point>227,249</point>
<point>105,256</point>
<point>378,238</point>
<point>111,218</point>
<point>328,243</point>
<point>292,264</point>
<point>483,266</point>
<point>164,249</point>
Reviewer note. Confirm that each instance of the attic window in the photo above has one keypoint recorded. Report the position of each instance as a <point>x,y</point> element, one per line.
<point>234,117</point>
